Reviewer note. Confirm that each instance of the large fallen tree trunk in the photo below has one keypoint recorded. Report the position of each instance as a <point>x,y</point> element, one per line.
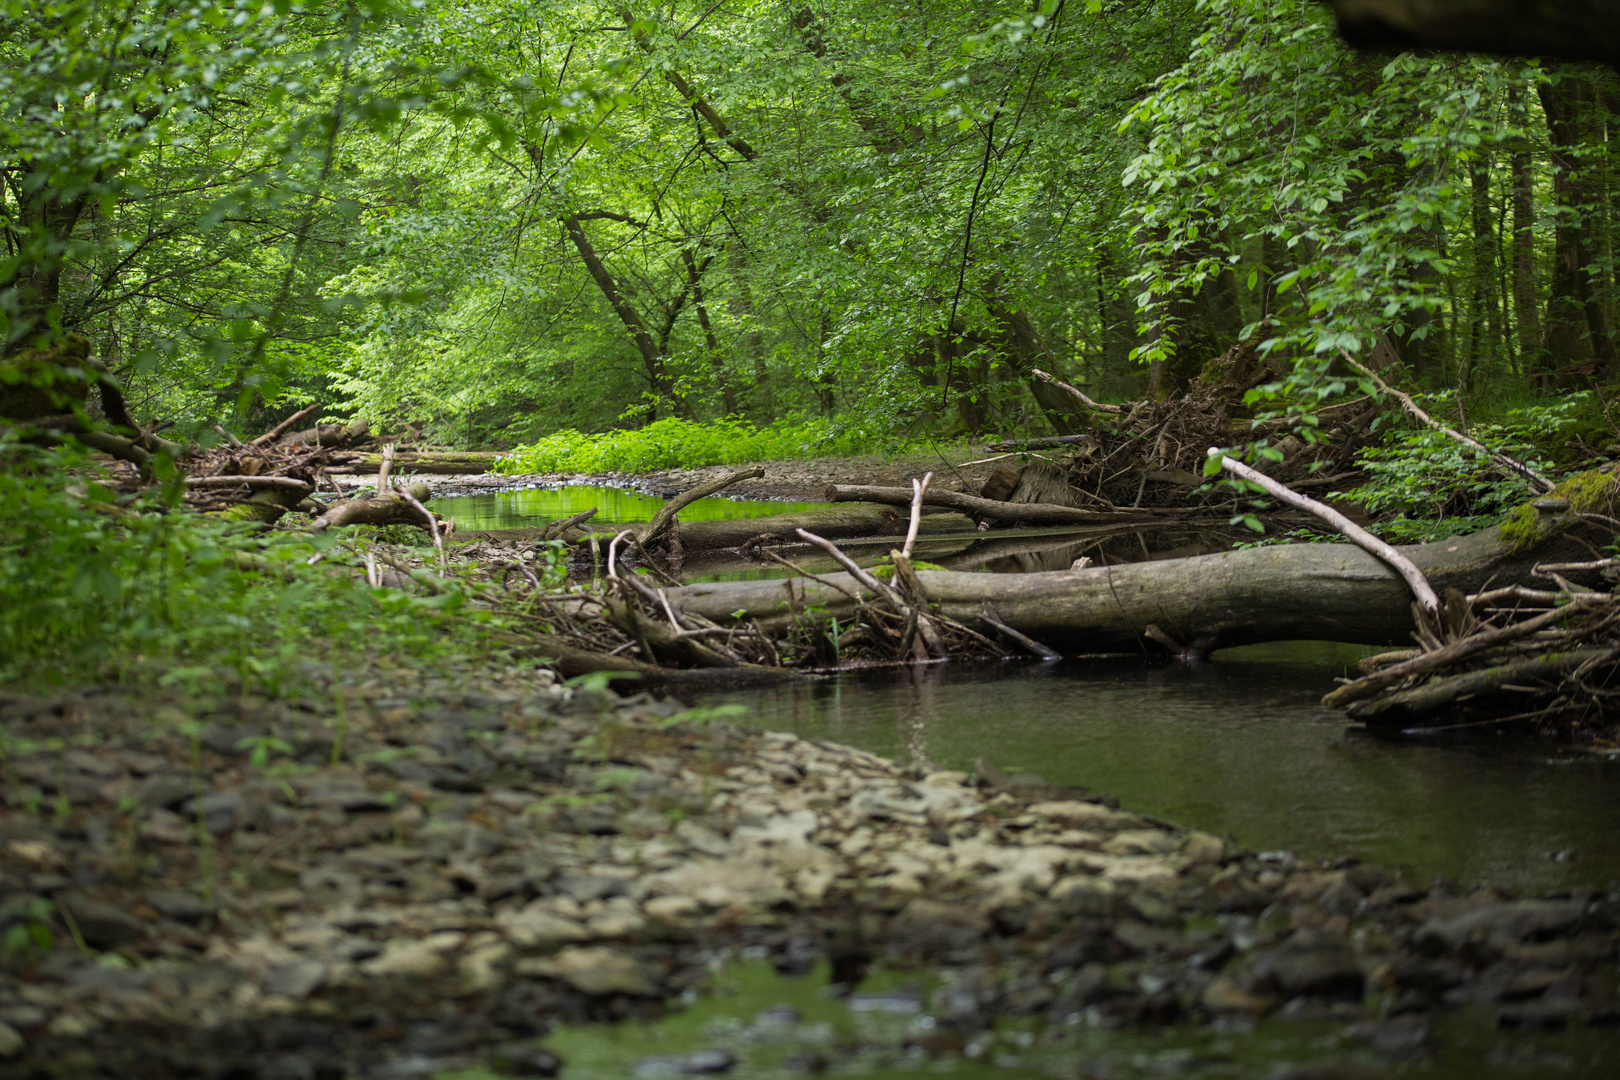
<point>1332,592</point>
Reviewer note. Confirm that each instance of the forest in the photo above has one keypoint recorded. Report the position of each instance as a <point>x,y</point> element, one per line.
<point>485,223</point>
<point>1036,349</point>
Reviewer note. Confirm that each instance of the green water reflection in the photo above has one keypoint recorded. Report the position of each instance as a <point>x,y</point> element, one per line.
<point>531,509</point>
<point>1239,747</point>
<point>773,1027</point>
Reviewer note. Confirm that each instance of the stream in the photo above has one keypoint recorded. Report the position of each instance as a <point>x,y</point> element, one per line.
<point>1238,747</point>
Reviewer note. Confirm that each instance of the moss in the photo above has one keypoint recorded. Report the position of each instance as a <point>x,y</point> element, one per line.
<point>1590,491</point>
<point>884,569</point>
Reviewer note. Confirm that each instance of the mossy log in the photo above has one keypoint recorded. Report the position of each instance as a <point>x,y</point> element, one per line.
<point>1331,592</point>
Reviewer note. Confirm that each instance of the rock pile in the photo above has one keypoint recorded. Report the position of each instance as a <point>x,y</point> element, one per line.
<point>431,876</point>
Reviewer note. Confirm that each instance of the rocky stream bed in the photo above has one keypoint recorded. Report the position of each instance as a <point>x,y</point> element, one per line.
<point>388,874</point>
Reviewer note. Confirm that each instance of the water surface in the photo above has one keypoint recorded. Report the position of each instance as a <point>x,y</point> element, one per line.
<point>1240,747</point>
<point>536,507</point>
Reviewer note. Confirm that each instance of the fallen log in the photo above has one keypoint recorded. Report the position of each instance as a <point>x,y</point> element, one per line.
<point>385,510</point>
<point>665,518</point>
<point>334,435</point>
<point>1033,513</point>
<point>432,463</point>
<point>841,523</point>
<point>1330,592</point>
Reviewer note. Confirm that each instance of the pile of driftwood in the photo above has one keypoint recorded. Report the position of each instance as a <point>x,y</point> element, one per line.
<point>1151,453</point>
<point>632,625</point>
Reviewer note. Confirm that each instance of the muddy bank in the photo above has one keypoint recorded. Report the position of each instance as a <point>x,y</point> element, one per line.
<point>430,878</point>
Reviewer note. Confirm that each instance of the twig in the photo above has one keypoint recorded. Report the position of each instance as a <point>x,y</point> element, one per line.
<point>1427,600</point>
<point>613,554</point>
<point>877,587</point>
<point>1029,644</point>
<point>275,432</point>
<point>795,567</point>
<point>383,468</point>
<point>1099,406</point>
<point>234,441</point>
<point>433,524</point>
<point>1458,650</point>
<point>1512,465</point>
<point>567,523</point>
<point>919,488</point>
<point>666,515</point>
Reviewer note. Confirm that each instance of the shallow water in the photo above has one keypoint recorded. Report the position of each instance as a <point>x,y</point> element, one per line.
<point>1239,747</point>
<point>773,1027</point>
<point>536,507</point>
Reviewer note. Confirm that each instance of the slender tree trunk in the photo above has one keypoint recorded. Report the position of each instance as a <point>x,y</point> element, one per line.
<point>1524,253</point>
<point>722,381</point>
<point>1577,325</point>
<point>651,357</point>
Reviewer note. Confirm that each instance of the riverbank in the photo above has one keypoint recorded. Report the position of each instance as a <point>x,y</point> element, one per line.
<point>386,872</point>
<point>801,479</point>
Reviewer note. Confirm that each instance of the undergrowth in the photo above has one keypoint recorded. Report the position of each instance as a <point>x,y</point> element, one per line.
<point>675,443</point>
<point>1426,486</point>
<point>98,584</point>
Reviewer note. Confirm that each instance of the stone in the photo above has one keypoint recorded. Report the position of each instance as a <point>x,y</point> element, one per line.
<point>411,958</point>
<point>595,972</point>
<point>701,839</point>
<point>537,926</point>
<point>1201,848</point>
<point>1140,842</point>
<point>1500,923</point>
<point>11,1041</point>
<point>484,967</point>
<point>296,979</point>
<point>1225,996</point>
<point>740,880</point>
<point>165,790</point>
<point>1084,815</point>
<point>1293,970</point>
<point>671,909</point>
<point>221,810</point>
<point>183,906</point>
<point>1085,895</point>
<point>103,926</point>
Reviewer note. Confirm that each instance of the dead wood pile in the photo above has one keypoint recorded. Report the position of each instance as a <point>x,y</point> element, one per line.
<point>1152,453</point>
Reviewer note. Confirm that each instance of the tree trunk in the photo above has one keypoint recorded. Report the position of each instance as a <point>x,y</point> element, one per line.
<point>1317,592</point>
<point>651,358</point>
<point>1524,252</point>
<point>1577,325</point>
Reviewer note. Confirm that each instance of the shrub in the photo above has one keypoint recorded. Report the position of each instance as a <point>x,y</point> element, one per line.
<point>675,443</point>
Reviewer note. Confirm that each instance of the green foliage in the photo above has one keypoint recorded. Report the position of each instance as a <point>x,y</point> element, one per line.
<point>96,584</point>
<point>675,443</point>
<point>1431,486</point>
<point>27,927</point>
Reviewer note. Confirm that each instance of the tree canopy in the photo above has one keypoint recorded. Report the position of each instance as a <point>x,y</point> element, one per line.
<point>488,221</point>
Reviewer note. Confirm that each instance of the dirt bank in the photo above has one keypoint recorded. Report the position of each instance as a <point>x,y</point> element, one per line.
<point>387,874</point>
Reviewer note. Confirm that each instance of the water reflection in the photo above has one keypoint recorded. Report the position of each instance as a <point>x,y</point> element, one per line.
<point>1239,747</point>
<point>535,507</point>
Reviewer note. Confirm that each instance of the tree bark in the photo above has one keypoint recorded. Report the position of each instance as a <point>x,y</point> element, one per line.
<point>1032,513</point>
<point>651,358</point>
<point>1577,325</point>
<point>1319,592</point>
<point>1524,251</point>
